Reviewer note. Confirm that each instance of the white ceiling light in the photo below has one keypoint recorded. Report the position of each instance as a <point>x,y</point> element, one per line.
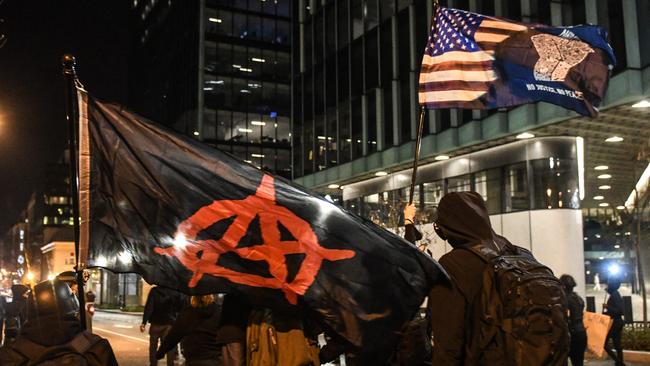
<point>258,123</point>
<point>333,186</point>
<point>442,157</point>
<point>257,155</point>
<point>605,187</point>
<point>525,135</point>
<point>604,204</point>
<point>196,133</point>
<point>604,176</point>
<point>257,59</point>
<point>381,174</point>
<point>599,198</point>
<point>642,104</point>
<point>620,207</point>
<point>614,139</point>
<point>248,130</point>
<point>215,20</point>
<point>601,167</point>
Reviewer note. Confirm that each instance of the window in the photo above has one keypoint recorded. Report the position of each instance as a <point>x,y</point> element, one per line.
<point>459,184</point>
<point>357,121</point>
<point>556,183</point>
<point>342,21</point>
<point>331,137</point>
<point>344,132</point>
<point>356,10</point>
<point>488,185</point>
<point>516,188</point>
<point>371,11</point>
<point>432,194</point>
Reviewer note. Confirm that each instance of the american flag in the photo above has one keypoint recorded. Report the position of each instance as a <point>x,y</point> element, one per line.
<point>458,68</point>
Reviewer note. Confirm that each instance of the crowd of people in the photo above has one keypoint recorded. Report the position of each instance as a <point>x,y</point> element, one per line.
<point>533,318</point>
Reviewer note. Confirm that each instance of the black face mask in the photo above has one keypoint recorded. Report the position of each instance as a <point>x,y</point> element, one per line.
<point>439,231</point>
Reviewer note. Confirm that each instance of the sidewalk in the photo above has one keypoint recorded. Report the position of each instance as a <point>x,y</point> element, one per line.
<point>118,311</point>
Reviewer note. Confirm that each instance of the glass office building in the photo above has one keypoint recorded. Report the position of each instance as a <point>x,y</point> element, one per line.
<point>218,70</point>
<point>356,66</point>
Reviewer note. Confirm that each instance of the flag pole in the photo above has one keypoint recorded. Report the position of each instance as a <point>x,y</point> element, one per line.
<point>72,116</point>
<point>416,155</point>
<point>418,141</point>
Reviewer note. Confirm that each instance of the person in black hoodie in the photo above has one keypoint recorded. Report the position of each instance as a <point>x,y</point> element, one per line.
<point>615,309</point>
<point>232,330</point>
<point>53,333</point>
<point>196,328</point>
<point>15,313</point>
<point>462,221</point>
<point>576,325</point>
<point>160,310</point>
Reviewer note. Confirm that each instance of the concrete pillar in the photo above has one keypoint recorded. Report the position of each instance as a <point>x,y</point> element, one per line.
<point>379,106</point>
<point>631,27</point>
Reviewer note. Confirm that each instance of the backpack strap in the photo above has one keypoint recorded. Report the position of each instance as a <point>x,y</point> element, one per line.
<point>83,341</point>
<point>27,348</point>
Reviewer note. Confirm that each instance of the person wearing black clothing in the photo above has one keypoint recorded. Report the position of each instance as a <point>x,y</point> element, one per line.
<point>576,325</point>
<point>232,330</point>
<point>462,221</point>
<point>15,313</point>
<point>53,333</point>
<point>196,328</point>
<point>160,310</point>
<point>615,309</point>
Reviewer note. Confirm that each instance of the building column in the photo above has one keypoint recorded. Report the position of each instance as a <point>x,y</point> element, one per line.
<point>364,124</point>
<point>557,16</point>
<point>395,83</point>
<point>500,7</point>
<point>632,35</point>
<point>528,10</point>
<point>379,112</point>
<point>434,121</point>
<point>413,75</point>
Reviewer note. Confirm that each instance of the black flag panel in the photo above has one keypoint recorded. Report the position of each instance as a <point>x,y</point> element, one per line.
<point>187,216</point>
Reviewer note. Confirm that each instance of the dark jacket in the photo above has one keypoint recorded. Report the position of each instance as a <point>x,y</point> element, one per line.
<point>234,319</point>
<point>576,309</point>
<point>615,306</point>
<point>162,307</point>
<point>196,329</point>
<point>15,311</point>
<point>464,220</point>
<point>52,333</point>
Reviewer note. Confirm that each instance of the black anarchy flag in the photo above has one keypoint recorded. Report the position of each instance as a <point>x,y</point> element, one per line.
<point>187,216</point>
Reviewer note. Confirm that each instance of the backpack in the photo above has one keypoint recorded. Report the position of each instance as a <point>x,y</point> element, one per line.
<point>415,346</point>
<point>522,314</point>
<point>71,353</point>
<point>272,340</point>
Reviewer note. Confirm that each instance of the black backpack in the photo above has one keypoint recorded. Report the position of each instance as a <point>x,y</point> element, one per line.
<point>71,353</point>
<point>522,314</point>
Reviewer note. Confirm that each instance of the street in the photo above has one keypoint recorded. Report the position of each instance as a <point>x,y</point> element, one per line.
<point>122,330</point>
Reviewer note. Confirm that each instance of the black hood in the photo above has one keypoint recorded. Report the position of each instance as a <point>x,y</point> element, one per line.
<point>18,291</point>
<point>465,221</point>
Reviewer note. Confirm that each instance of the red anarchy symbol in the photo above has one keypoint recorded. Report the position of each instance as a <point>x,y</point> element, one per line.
<point>201,256</point>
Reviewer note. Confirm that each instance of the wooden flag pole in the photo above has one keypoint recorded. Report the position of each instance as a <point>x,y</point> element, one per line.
<point>416,155</point>
<point>72,116</point>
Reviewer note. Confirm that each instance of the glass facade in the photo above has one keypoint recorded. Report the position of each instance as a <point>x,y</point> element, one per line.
<point>247,77</point>
<point>555,187</point>
<point>521,176</point>
<point>221,73</point>
<point>356,65</point>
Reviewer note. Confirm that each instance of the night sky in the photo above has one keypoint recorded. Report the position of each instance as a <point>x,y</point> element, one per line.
<point>32,104</point>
